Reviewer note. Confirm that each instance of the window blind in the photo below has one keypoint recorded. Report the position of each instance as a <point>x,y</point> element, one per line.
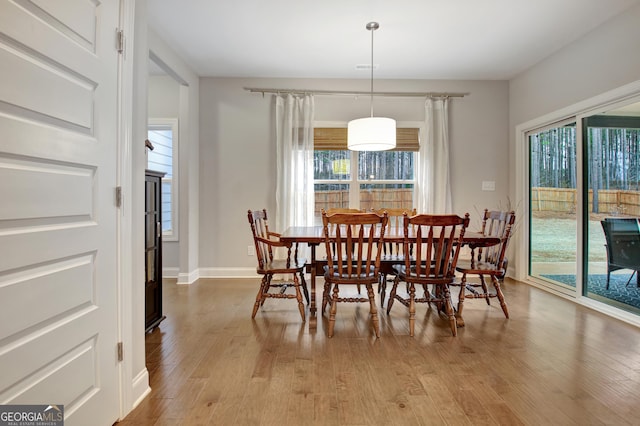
<point>335,139</point>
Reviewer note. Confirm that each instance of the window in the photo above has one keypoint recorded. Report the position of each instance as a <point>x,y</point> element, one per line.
<point>163,134</point>
<point>381,178</point>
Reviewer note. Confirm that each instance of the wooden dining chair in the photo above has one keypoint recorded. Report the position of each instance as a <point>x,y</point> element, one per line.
<point>335,210</point>
<point>436,247</point>
<point>266,243</point>
<point>353,242</point>
<point>392,251</point>
<point>489,261</point>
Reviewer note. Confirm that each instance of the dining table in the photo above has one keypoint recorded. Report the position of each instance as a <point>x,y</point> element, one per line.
<point>313,236</point>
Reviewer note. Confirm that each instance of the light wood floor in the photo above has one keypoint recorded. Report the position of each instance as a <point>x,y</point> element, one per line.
<point>552,363</point>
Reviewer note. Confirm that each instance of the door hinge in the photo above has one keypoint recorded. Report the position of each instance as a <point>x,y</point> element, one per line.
<point>120,41</point>
<point>120,352</point>
<point>118,196</point>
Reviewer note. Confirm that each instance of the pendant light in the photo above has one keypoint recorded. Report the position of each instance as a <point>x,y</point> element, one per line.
<point>371,133</point>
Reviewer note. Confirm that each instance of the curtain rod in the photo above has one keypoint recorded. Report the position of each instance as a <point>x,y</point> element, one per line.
<point>344,93</point>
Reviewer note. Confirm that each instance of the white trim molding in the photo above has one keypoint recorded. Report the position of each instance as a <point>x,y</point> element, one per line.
<point>188,278</point>
<point>239,272</point>
<point>141,389</point>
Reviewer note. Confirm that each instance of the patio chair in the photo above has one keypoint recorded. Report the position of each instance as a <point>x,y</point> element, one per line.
<point>622,237</point>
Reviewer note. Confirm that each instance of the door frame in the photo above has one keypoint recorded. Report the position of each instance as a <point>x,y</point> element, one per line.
<point>554,288</point>
<point>132,70</point>
<point>186,272</point>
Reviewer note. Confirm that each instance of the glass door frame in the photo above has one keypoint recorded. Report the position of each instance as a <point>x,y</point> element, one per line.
<point>570,121</point>
<point>612,124</point>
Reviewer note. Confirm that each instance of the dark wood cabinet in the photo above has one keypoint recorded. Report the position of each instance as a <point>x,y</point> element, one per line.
<point>153,249</point>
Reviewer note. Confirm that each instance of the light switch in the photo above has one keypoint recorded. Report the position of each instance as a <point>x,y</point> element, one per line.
<point>488,185</point>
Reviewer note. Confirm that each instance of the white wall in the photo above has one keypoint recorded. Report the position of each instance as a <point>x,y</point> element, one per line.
<point>189,186</point>
<point>164,97</point>
<point>164,102</point>
<point>237,151</point>
<point>603,60</point>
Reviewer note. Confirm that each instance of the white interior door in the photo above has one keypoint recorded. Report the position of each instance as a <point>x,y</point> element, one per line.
<point>58,146</point>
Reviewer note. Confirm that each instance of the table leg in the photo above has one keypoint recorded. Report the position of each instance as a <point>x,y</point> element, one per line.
<point>312,309</point>
<point>463,287</point>
<point>459,319</point>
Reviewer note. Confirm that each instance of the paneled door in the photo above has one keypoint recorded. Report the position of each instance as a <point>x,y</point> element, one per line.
<point>58,152</point>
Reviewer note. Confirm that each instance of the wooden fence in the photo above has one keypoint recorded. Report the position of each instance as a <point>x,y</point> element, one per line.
<point>564,200</point>
<point>369,198</point>
<point>542,199</point>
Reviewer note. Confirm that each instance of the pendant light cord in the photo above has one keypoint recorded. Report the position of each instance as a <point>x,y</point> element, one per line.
<point>372,26</point>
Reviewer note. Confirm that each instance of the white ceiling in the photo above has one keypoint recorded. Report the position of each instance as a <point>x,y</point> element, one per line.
<point>417,39</point>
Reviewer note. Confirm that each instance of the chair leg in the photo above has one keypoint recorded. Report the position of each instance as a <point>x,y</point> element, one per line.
<point>332,311</point>
<point>265,289</point>
<point>630,278</point>
<point>296,284</point>
<point>392,294</point>
<point>260,296</point>
<point>461,295</point>
<point>373,310</point>
<point>439,297</point>
<point>303,283</point>
<point>448,307</point>
<point>325,295</point>
<point>485,289</point>
<point>503,304</point>
<point>382,288</point>
<point>412,309</point>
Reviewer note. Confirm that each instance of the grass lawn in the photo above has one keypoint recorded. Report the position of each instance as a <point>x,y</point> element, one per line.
<point>554,238</point>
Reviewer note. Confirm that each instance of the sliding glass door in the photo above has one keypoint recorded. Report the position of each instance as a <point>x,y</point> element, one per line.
<point>612,203</point>
<point>584,207</point>
<point>552,206</point>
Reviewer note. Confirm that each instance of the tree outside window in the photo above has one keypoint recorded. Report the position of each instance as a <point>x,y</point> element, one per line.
<point>384,179</point>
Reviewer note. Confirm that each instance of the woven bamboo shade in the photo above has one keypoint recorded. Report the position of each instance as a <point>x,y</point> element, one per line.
<point>335,138</point>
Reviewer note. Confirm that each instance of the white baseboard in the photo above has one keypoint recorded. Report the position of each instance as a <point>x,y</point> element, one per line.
<point>170,272</point>
<point>183,278</point>
<point>140,387</point>
<point>249,272</point>
<point>511,272</point>
<point>189,278</point>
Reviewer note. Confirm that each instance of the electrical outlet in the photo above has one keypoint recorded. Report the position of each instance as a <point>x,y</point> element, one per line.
<point>488,185</point>
<point>250,250</point>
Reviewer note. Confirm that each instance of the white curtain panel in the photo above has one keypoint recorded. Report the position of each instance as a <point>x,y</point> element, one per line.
<point>433,187</point>
<point>294,141</point>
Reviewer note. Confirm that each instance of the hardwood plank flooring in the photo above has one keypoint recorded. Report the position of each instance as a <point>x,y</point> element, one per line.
<point>552,363</point>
